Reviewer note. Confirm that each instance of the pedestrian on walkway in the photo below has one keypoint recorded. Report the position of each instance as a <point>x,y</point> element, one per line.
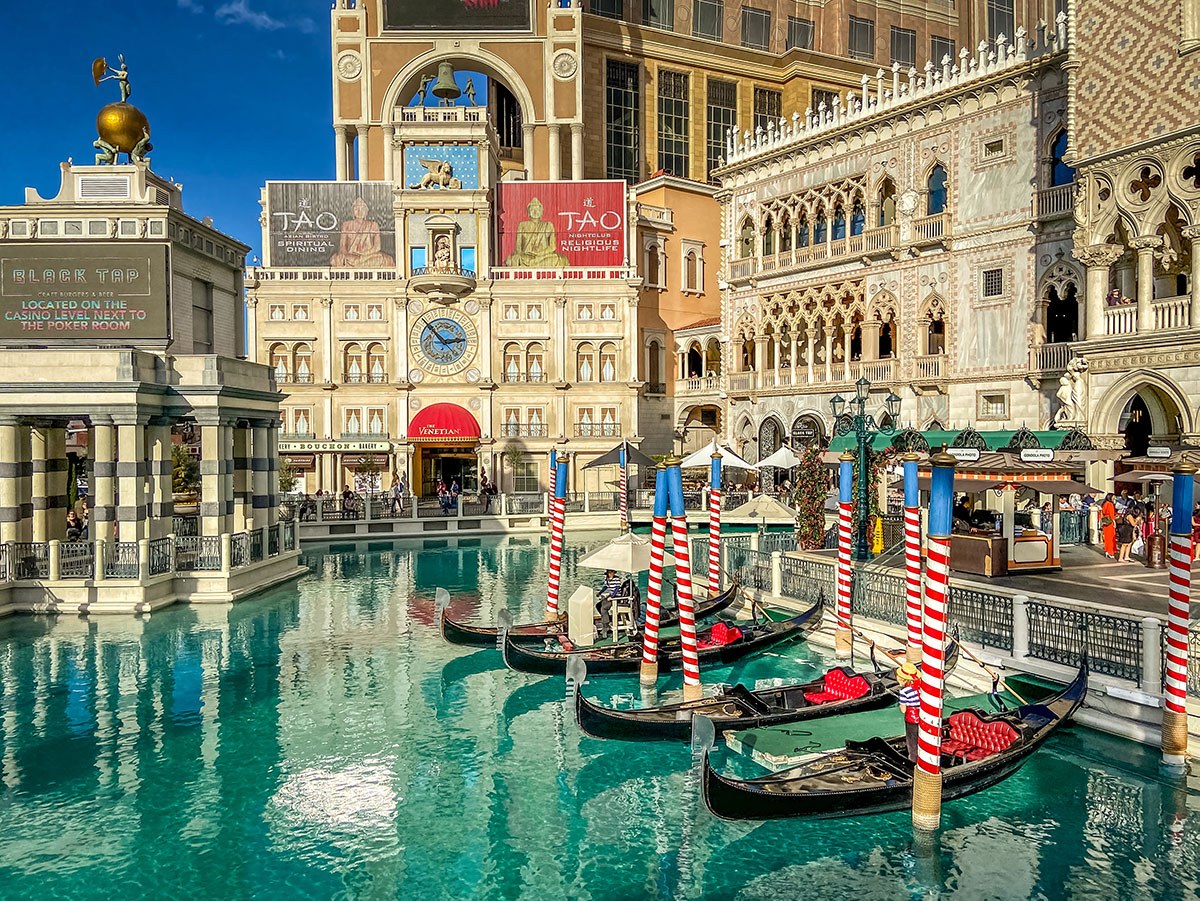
<point>1126,532</point>
<point>1108,525</point>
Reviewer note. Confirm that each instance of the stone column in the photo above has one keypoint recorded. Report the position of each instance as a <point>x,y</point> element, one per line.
<point>576,151</point>
<point>339,151</point>
<point>252,330</point>
<point>260,472</point>
<point>812,340</point>
<point>132,470</point>
<point>161,506</point>
<point>216,466</point>
<point>485,338</point>
<point>10,479</point>
<point>243,510</point>
<point>1192,233</point>
<point>39,491</point>
<point>1098,258</point>
<point>49,494</point>
<point>327,352</point>
<point>271,449</point>
<point>555,153</point>
<point>870,340</point>
<point>389,152</point>
<point>1145,247</point>
<point>527,149</point>
<point>103,513</point>
<point>363,160</point>
<point>400,340</point>
<point>828,355</point>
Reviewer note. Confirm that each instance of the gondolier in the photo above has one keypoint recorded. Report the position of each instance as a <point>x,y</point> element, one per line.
<point>909,680</point>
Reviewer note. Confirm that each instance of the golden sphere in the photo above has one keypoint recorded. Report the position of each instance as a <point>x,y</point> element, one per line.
<point>121,124</point>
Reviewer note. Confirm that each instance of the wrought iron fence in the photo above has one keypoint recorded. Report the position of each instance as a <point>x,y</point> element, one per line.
<point>273,540</point>
<point>1193,675</point>
<point>121,560</point>
<point>801,578</point>
<point>185,525</point>
<point>982,617</point>
<point>3,562</point>
<point>879,595</point>
<point>256,545</point>
<point>751,568</point>
<point>199,553</point>
<point>1073,527</point>
<point>733,499</point>
<point>76,560</point>
<point>693,500</point>
<point>239,550</point>
<point>699,561</point>
<point>30,560</point>
<point>777,541</point>
<point>523,503</point>
<point>1059,634</point>
<point>574,501</point>
<point>641,499</point>
<point>160,556</point>
<point>604,501</point>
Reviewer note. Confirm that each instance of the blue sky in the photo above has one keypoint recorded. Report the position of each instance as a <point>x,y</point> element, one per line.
<point>237,92</point>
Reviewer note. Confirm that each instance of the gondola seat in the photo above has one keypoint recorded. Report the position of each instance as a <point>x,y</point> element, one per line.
<point>839,686</point>
<point>971,738</point>
<point>721,634</point>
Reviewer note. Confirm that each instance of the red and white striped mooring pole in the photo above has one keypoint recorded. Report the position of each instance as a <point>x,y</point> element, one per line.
<point>927,778</point>
<point>558,508</point>
<point>912,557</point>
<point>624,489</point>
<point>714,527</point>
<point>692,689</point>
<point>658,538</point>
<point>1174,726</point>
<point>843,638</point>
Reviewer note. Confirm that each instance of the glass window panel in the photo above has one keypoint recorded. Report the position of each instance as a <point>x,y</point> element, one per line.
<point>707,18</point>
<point>623,115</point>
<point>722,116</point>
<point>862,38</point>
<point>756,28</point>
<point>800,33</point>
<point>673,122</point>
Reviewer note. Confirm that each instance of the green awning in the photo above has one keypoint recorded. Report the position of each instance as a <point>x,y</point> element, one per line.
<point>996,440</point>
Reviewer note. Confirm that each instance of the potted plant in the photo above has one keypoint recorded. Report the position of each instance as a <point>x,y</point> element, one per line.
<point>185,480</point>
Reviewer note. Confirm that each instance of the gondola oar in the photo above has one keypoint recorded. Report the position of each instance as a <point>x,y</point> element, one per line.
<point>997,679</point>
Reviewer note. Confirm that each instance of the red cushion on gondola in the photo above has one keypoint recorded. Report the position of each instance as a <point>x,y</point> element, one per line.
<point>820,697</point>
<point>723,633</point>
<point>973,739</point>
<point>844,687</point>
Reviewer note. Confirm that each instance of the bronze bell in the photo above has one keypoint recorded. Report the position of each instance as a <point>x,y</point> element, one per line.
<point>444,88</point>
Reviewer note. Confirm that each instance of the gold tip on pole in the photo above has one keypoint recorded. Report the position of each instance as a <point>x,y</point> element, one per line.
<point>847,457</point>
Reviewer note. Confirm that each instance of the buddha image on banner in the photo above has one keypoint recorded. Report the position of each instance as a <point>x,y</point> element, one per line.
<point>343,225</point>
<point>556,224</point>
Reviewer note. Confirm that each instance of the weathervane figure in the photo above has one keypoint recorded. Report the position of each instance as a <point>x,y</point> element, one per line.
<point>121,75</point>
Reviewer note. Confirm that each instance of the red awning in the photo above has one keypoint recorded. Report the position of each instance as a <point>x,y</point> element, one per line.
<point>443,422</point>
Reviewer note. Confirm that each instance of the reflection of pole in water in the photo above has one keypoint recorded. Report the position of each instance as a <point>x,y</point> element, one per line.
<point>703,734</point>
<point>927,860</point>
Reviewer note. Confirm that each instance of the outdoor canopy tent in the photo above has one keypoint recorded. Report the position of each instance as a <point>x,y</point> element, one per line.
<point>703,457</point>
<point>784,458</point>
<point>633,457</point>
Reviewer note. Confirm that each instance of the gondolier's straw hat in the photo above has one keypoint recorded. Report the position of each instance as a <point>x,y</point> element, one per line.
<point>906,672</point>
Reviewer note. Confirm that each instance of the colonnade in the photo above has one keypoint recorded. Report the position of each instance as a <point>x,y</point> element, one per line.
<point>130,487</point>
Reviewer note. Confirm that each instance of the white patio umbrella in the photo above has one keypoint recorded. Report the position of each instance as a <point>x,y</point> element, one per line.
<point>764,508</point>
<point>703,457</point>
<point>628,553</point>
<point>784,458</point>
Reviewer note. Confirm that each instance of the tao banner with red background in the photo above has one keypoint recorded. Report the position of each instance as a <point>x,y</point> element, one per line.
<point>581,223</point>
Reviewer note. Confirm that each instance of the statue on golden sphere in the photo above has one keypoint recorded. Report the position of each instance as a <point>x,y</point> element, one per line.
<point>121,126</point>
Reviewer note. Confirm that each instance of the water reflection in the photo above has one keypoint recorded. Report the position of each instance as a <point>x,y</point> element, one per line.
<point>323,741</point>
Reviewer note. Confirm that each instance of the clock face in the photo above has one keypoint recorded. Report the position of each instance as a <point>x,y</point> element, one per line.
<point>443,342</point>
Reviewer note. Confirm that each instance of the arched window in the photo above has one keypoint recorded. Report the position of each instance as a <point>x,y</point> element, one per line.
<point>768,241</point>
<point>887,338</point>
<point>858,218</point>
<point>887,202</point>
<point>585,363</point>
<point>654,364</point>
<point>1062,316</point>
<point>691,281</point>
<point>1060,172</point>
<point>303,425</point>
<point>785,233</point>
<point>936,339</point>
<point>936,201</point>
<point>802,231</point>
<point>608,362</point>
<point>354,363</point>
<point>694,361</point>
<point>302,362</point>
<point>748,354</point>
<point>822,230</point>
<point>279,361</point>
<point>713,357</point>
<point>376,371</point>
<point>512,362</point>
<point>535,363</point>
<point>839,223</point>
<point>746,239</point>
<point>653,266</point>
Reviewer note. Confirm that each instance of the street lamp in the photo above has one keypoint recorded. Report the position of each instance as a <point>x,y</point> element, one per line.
<point>864,427</point>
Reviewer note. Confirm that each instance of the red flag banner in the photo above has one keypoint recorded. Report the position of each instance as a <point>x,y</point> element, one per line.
<point>556,224</point>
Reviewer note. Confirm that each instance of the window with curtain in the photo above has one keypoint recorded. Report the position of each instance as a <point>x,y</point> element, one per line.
<point>862,38</point>
<point>608,363</point>
<point>302,363</point>
<point>799,33</point>
<point>375,364</point>
<point>512,363</point>
<point>534,362</point>
<point>279,361</point>
<point>585,363</point>
<point>354,364</point>
<point>936,201</point>
<point>622,121</point>
<point>756,28</point>
<point>707,18</point>
<point>673,122</point>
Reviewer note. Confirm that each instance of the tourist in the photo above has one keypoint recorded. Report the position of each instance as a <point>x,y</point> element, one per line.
<point>909,695</point>
<point>1047,518</point>
<point>1195,530</point>
<point>398,496</point>
<point>348,500</point>
<point>1126,531</point>
<point>1108,525</point>
<point>1122,501</point>
<point>74,526</point>
<point>485,491</point>
<point>455,491</point>
<point>85,515</point>
<point>443,497</point>
<point>610,587</point>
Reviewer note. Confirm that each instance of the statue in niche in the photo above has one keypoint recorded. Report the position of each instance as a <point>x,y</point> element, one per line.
<point>442,259</point>
<point>439,174</point>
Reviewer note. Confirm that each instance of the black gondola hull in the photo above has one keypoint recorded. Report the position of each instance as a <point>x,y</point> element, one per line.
<point>735,799</point>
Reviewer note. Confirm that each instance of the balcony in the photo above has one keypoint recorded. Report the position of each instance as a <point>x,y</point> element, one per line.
<point>1172,312</point>
<point>364,436</point>
<point>931,367</point>
<point>1050,357</point>
<point>439,114</point>
<point>883,238</point>
<point>293,378</point>
<point>597,430</point>
<point>442,284</point>
<point>1121,319</point>
<point>1055,202</point>
<point>704,384</point>
<point>364,378</point>
<point>524,430</point>
<point>657,216</point>
<point>931,228</point>
<point>297,436</point>
<point>521,378</point>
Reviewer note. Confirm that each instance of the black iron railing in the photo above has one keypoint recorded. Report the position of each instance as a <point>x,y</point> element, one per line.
<point>1061,634</point>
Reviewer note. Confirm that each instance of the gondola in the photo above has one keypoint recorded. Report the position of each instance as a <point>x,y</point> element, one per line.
<point>838,691</point>
<point>979,749</point>
<point>536,633</point>
<point>626,657</point>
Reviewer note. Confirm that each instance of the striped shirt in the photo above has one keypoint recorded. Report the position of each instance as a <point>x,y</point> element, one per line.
<point>611,587</point>
<point>910,703</point>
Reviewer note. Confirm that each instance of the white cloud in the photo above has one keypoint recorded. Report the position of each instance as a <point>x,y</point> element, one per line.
<point>190,6</point>
<point>239,13</point>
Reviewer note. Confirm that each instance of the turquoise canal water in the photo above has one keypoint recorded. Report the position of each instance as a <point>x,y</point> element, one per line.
<point>323,742</point>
